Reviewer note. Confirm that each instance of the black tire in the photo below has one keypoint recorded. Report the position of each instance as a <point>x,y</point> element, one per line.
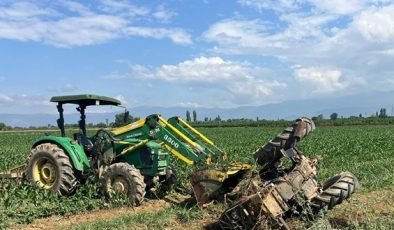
<point>335,190</point>
<point>125,178</point>
<point>270,153</point>
<point>50,167</point>
<point>170,179</point>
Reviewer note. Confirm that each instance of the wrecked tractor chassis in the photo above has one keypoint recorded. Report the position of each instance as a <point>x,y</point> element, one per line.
<point>270,207</point>
<point>278,193</point>
<point>213,183</point>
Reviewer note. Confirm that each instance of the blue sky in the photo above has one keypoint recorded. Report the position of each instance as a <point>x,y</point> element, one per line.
<point>193,53</point>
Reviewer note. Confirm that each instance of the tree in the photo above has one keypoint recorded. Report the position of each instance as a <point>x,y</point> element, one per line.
<point>2,126</point>
<point>122,119</point>
<point>382,113</point>
<point>361,115</point>
<point>333,116</point>
<point>319,117</point>
<point>194,116</point>
<point>101,125</point>
<point>188,119</point>
<point>206,119</point>
<point>218,118</point>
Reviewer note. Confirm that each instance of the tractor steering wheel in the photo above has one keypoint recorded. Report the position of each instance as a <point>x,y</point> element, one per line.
<point>104,134</point>
<point>103,138</point>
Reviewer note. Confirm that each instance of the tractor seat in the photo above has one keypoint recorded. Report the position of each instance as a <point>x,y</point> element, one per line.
<point>84,141</point>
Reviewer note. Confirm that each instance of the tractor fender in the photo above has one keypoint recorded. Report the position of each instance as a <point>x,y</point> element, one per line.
<point>72,149</point>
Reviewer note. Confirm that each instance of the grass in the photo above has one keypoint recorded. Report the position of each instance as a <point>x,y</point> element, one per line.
<point>148,220</point>
<point>162,219</point>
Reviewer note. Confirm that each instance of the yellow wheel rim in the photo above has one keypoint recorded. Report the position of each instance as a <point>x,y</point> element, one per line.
<point>120,185</point>
<point>44,173</point>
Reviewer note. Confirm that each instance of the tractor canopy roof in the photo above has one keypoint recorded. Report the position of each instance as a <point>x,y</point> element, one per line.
<point>86,100</point>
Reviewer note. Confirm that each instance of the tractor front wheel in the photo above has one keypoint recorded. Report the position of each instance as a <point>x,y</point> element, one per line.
<point>124,178</point>
<point>49,167</point>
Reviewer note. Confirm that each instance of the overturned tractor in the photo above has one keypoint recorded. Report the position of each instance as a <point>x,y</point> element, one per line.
<point>278,193</point>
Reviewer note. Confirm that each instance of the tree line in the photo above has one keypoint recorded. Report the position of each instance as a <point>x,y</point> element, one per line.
<point>121,119</point>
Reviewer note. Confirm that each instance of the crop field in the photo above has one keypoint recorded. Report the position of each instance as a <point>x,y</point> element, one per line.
<point>366,151</point>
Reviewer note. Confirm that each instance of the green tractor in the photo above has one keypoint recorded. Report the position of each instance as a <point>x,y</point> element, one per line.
<point>129,159</point>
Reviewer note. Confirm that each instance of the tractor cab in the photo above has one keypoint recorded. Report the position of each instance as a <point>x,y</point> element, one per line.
<point>106,147</point>
<point>82,101</point>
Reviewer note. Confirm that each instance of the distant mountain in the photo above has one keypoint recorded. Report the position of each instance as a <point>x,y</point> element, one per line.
<point>366,104</point>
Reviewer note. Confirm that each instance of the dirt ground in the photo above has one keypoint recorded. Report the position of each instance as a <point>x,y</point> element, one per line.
<point>63,222</point>
<point>361,208</point>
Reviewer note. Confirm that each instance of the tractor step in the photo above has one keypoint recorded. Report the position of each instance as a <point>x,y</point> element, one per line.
<point>13,173</point>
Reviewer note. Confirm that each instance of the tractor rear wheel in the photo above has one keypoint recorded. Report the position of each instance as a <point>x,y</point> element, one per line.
<point>124,178</point>
<point>270,153</point>
<point>49,167</point>
<point>335,190</point>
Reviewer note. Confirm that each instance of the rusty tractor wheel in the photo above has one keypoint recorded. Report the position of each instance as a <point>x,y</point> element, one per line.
<point>50,168</point>
<point>270,153</point>
<point>335,190</point>
<point>124,178</point>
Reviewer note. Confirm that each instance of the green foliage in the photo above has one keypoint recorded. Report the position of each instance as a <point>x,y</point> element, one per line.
<point>194,116</point>
<point>333,116</point>
<point>122,119</point>
<point>188,119</point>
<point>382,113</point>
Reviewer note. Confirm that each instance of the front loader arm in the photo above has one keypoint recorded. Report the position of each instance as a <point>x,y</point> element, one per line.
<point>208,146</point>
<point>179,144</point>
<point>154,127</point>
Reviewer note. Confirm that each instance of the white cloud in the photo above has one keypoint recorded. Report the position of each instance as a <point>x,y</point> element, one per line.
<point>5,98</point>
<point>276,5</point>
<point>322,80</point>
<point>163,14</point>
<point>115,76</point>
<point>353,39</point>
<point>122,99</point>
<point>23,10</point>
<point>123,8</point>
<point>189,104</point>
<point>259,37</point>
<point>80,31</point>
<point>339,6</point>
<point>176,35</point>
<point>77,7</point>
<point>243,33</point>
<point>85,26</point>
<point>377,25</point>
<point>240,79</point>
<point>69,88</point>
<point>12,103</point>
<point>286,6</point>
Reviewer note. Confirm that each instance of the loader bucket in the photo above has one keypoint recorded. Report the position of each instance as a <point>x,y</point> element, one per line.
<point>213,183</point>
